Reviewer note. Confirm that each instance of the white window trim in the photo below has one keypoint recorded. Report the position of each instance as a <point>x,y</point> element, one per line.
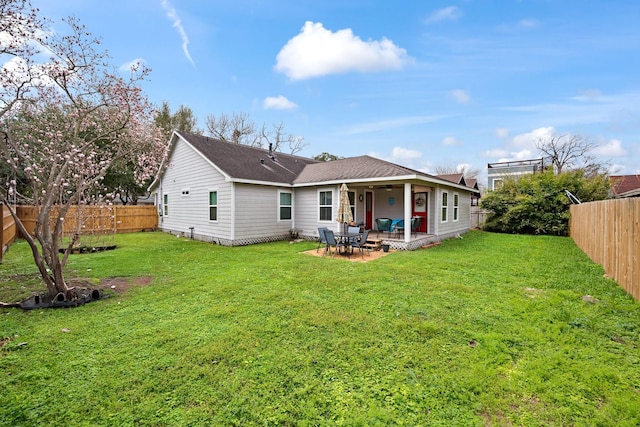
<point>217,205</point>
<point>496,180</point>
<point>444,208</point>
<point>324,190</point>
<point>288,206</point>
<point>456,207</point>
<point>165,204</point>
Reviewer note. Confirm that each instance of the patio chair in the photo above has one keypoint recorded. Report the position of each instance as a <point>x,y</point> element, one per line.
<point>331,241</point>
<point>353,230</point>
<point>383,224</point>
<point>322,240</point>
<point>416,222</point>
<point>399,228</point>
<point>360,244</point>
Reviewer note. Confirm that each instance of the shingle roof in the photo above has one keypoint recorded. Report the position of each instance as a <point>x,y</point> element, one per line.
<point>472,183</point>
<point>244,163</point>
<point>248,163</point>
<point>352,168</point>
<point>624,183</point>
<point>458,178</point>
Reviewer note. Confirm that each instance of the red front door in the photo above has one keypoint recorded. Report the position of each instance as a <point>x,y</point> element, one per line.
<point>420,203</point>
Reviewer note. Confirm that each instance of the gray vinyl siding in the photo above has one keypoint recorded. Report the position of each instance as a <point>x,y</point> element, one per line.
<point>256,212</point>
<point>382,207</point>
<point>307,211</point>
<point>188,170</point>
<point>464,216</point>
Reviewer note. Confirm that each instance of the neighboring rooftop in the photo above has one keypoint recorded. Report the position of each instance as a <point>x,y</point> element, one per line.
<point>625,185</point>
<point>535,163</point>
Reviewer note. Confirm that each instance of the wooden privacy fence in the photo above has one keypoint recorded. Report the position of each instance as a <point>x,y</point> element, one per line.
<point>98,219</point>
<point>95,220</point>
<point>609,233</point>
<point>7,230</point>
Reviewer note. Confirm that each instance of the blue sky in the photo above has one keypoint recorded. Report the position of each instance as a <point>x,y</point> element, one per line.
<point>419,83</point>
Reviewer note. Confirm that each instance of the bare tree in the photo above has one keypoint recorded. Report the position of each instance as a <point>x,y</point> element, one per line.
<point>567,151</point>
<point>63,122</point>
<point>241,129</point>
<point>238,129</point>
<point>466,170</point>
<point>277,137</point>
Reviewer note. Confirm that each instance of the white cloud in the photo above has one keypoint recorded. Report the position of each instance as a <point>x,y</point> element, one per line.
<point>450,140</point>
<point>529,23</point>
<point>496,153</point>
<point>588,95</point>
<point>613,148</point>
<point>317,51</point>
<point>177,24</point>
<point>518,155</point>
<point>382,125</point>
<point>463,167</point>
<point>461,96</point>
<point>404,154</point>
<point>502,133</point>
<point>451,13</point>
<point>132,65</point>
<point>278,103</point>
<point>528,140</point>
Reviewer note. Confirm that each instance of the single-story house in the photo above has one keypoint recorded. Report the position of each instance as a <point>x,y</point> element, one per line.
<point>234,194</point>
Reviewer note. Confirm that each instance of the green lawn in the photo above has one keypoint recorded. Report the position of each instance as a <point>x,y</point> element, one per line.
<point>486,330</point>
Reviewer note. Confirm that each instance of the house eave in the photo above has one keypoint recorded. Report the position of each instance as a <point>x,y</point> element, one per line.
<point>257,182</point>
<point>386,179</point>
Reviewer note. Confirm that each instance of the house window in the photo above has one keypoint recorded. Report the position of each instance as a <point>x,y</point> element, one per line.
<point>445,206</point>
<point>285,206</point>
<point>497,183</point>
<point>213,205</point>
<point>352,204</point>
<point>456,205</point>
<point>165,204</point>
<point>326,206</point>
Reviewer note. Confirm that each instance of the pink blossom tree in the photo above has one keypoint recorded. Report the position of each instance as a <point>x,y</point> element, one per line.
<point>65,117</point>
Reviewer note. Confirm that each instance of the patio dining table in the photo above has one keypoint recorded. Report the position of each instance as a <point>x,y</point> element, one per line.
<point>346,238</point>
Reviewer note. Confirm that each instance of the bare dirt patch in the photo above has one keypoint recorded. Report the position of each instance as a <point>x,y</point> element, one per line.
<point>120,285</point>
<point>356,257</point>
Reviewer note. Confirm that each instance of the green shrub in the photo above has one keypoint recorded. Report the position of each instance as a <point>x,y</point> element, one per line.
<point>538,204</point>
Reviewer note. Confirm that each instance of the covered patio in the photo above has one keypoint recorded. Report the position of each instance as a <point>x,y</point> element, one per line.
<point>416,241</point>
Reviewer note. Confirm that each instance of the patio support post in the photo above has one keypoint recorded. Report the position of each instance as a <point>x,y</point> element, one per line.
<point>408,210</point>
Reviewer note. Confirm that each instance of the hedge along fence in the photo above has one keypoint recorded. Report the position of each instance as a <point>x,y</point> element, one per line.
<point>609,233</point>
<point>94,220</point>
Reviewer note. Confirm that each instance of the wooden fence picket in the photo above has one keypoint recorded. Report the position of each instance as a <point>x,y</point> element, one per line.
<point>608,231</point>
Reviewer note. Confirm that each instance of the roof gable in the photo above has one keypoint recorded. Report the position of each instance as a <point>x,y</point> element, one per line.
<point>244,163</point>
<point>457,178</point>
<point>352,168</point>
